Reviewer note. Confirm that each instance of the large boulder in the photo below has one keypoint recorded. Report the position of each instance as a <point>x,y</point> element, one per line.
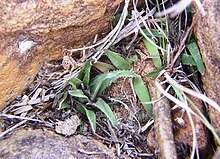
<point>34,32</point>
<point>207,31</point>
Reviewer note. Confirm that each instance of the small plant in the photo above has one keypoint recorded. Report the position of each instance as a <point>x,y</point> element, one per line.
<point>177,65</point>
<point>87,93</point>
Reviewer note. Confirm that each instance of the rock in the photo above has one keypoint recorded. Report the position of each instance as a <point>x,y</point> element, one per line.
<point>182,133</point>
<point>39,143</point>
<point>36,32</point>
<point>207,31</point>
<point>68,126</point>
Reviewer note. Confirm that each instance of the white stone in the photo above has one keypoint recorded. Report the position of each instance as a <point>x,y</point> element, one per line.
<point>25,45</point>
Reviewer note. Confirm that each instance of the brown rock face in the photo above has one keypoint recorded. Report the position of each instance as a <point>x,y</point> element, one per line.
<point>183,131</point>
<point>207,31</point>
<point>33,32</point>
<point>37,144</point>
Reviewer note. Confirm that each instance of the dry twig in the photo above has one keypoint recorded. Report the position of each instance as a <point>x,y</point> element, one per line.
<point>163,126</point>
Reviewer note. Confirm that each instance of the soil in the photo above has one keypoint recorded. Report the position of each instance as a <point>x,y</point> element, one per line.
<point>51,132</point>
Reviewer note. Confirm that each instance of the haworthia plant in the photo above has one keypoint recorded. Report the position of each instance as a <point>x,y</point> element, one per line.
<point>153,51</point>
<point>104,107</point>
<point>143,94</point>
<point>194,51</point>
<point>118,61</point>
<point>101,82</point>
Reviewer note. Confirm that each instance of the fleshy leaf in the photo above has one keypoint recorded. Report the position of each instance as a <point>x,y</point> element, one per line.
<point>62,103</point>
<point>153,51</point>
<point>132,59</point>
<point>187,60</point>
<point>77,93</point>
<point>104,107</point>
<point>116,18</point>
<point>84,74</point>
<point>75,82</point>
<point>194,51</point>
<point>101,82</point>
<point>91,116</point>
<point>56,100</point>
<point>156,72</point>
<point>155,32</point>
<point>118,61</point>
<point>143,94</point>
<point>104,67</point>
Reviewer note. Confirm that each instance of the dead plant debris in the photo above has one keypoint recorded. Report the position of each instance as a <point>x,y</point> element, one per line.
<point>100,92</point>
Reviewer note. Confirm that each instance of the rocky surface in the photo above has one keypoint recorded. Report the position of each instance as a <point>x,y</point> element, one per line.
<point>182,134</point>
<point>34,32</point>
<point>207,31</point>
<point>37,144</point>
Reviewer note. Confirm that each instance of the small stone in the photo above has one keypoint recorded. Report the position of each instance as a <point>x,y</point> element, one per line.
<point>25,45</point>
<point>68,127</point>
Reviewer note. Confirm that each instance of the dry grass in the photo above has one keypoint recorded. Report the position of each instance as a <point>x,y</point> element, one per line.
<point>33,108</point>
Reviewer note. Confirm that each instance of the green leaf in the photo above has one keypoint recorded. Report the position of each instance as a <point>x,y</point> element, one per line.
<point>77,93</point>
<point>75,82</point>
<point>187,60</point>
<point>56,100</point>
<point>190,10</point>
<point>62,103</point>
<point>104,107</point>
<point>101,82</point>
<point>91,116</point>
<point>179,94</point>
<point>116,18</point>
<point>143,94</point>
<point>132,59</point>
<point>104,67</point>
<point>84,74</point>
<point>119,62</point>
<point>153,51</point>
<point>194,51</point>
<point>155,32</point>
<point>156,72</point>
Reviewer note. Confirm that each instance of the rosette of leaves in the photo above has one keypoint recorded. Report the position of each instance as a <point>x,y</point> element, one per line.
<point>87,92</point>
